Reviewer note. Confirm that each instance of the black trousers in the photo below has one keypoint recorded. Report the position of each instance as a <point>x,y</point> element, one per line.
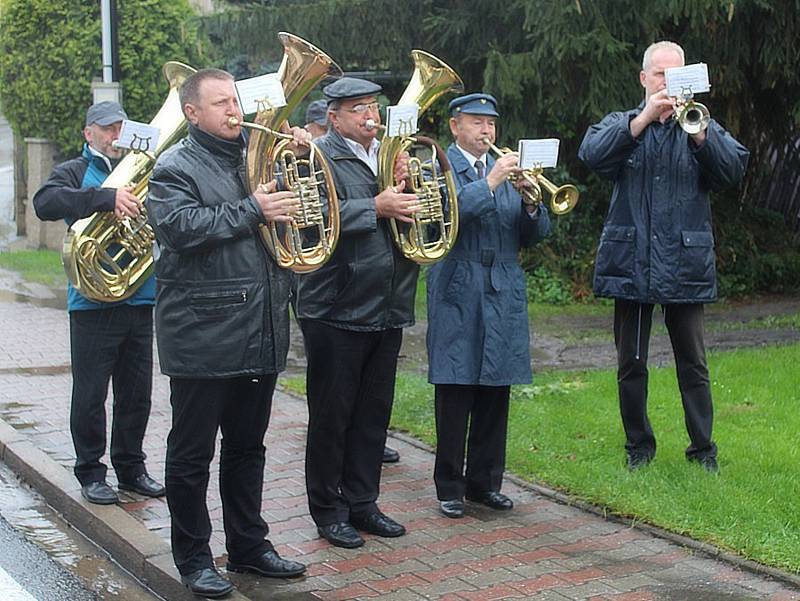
<point>483,412</point>
<point>110,344</point>
<point>632,322</point>
<point>350,387</point>
<point>240,408</point>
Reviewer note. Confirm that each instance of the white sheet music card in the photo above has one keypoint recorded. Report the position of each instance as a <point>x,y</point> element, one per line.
<point>259,93</point>
<point>538,153</point>
<point>688,80</point>
<point>401,119</point>
<point>139,137</point>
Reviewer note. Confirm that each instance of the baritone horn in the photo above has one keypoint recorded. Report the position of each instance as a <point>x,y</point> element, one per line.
<point>432,234</point>
<point>307,242</point>
<point>107,259</point>
<point>562,198</point>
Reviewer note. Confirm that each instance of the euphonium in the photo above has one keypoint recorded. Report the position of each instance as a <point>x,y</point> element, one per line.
<point>562,198</point>
<point>107,259</point>
<point>434,187</point>
<point>307,242</point>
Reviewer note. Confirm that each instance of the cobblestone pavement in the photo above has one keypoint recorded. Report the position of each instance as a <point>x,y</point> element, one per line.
<point>540,550</point>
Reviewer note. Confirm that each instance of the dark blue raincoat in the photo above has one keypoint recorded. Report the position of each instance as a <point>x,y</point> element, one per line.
<point>477,306</point>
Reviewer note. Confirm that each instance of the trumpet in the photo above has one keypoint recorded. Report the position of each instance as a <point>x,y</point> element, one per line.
<point>562,198</point>
<point>692,116</point>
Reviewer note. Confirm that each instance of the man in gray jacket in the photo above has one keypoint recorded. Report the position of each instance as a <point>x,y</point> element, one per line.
<point>352,311</point>
<point>657,246</point>
<point>222,329</point>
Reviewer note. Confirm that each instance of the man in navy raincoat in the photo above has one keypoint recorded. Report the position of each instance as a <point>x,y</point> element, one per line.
<point>657,246</point>
<point>478,338</point>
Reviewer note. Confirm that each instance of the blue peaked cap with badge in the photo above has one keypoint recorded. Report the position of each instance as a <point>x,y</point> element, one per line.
<point>474,104</point>
<point>350,87</point>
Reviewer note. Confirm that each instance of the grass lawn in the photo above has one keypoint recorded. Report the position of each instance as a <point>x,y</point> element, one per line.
<point>42,266</point>
<point>565,432</point>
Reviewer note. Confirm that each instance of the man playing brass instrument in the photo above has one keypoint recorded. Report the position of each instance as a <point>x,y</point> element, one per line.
<point>108,340</point>
<point>222,330</point>
<point>657,247</point>
<point>478,340</point>
<point>352,311</point>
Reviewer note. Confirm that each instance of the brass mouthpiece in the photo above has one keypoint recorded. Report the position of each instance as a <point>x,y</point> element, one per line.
<point>234,122</point>
<point>371,124</point>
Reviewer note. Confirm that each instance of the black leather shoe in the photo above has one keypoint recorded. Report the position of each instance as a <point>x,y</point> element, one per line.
<point>341,534</point>
<point>493,499</point>
<point>269,564</point>
<point>637,461</point>
<point>378,524</point>
<point>207,583</point>
<point>144,485</point>
<point>708,462</point>
<point>99,493</point>
<point>390,455</point>
<point>453,508</point>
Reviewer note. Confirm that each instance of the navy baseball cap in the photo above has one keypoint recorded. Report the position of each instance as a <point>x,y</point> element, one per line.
<point>317,112</point>
<point>350,87</point>
<point>474,104</point>
<point>105,113</point>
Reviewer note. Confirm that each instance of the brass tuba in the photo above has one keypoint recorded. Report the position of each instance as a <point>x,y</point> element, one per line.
<point>434,187</point>
<point>562,198</point>
<point>107,259</point>
<point>308,241</point>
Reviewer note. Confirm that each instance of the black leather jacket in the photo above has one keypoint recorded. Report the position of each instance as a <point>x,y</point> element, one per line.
<point>367,285</point>
<point>221,304</point>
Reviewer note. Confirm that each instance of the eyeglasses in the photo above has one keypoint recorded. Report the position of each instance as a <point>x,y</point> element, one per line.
<point>360,109</point>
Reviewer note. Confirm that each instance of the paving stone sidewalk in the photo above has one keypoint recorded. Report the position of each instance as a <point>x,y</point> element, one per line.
<point>540,550</point>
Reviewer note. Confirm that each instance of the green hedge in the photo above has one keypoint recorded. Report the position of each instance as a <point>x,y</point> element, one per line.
<point>50,50</point>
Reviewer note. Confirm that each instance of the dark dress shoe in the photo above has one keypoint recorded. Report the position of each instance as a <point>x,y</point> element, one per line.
<point>268,564</point>
<point>207,583</point>
<point>493,499</point>
<point>390,455</point>
<point>637,461</point>
<point>453,508</point>
<point>99,493</point>
<point>144,485</point>
<point>708,462</point>
<point>341,534</point>
<point>378,524</point>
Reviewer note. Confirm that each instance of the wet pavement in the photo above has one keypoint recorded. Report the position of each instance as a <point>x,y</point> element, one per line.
<point>49,559</point>
<point>541,550</point>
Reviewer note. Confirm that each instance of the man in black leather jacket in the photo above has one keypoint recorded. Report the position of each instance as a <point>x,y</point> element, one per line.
<point>352,311</point>
<point>222,330</point>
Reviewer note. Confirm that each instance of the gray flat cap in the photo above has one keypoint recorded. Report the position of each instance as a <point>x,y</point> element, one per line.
<point>317,112</point>
<point>350,87</point>
<point>105,113</point>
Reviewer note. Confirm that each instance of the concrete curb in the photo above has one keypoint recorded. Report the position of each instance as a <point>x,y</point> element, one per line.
<point>607,513</point>
<point>140,551</point>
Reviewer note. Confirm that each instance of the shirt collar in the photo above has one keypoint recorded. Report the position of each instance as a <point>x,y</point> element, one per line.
<point>99,154</point>
<point>472,158</point>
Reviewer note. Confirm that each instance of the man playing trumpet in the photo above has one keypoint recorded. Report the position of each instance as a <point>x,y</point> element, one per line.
<point>478,340</point>
<point>657,247</point>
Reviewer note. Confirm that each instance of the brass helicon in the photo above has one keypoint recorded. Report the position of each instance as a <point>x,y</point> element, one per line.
<point>435,226</point>
<point>107,259</point>
<point>562,198</point>
<point>307,242</point>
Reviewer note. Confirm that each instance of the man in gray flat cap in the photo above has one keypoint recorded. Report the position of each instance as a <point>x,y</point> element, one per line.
<point>351,312</point>
<point>109,341</point>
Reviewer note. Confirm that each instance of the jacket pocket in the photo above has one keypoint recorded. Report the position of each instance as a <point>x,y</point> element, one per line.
<point>217,302</point>
<point>697,257</point>
<point>616,254</point>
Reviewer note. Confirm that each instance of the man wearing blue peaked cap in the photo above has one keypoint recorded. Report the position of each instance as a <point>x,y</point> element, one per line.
<point>478,341</point>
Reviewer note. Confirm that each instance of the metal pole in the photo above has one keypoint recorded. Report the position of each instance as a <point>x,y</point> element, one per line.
<point>105,18</point>
<point>115,74</point>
